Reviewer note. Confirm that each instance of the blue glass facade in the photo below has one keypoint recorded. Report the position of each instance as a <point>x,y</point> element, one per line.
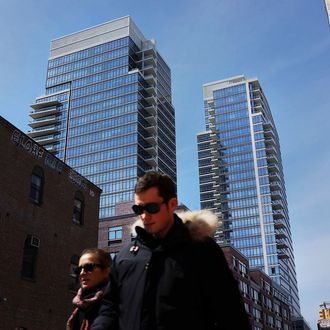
<point>107,109</point>
<point>241,178</point>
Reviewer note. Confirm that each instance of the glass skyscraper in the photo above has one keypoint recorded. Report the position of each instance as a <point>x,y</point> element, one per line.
<point>107,110</point>
<point>241,178</point>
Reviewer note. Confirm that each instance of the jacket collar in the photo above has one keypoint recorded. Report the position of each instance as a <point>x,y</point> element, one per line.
<point>201,224</point>
<point>177,235</point>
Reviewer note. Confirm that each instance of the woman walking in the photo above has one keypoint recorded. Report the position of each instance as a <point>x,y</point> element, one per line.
<point>93,272</point>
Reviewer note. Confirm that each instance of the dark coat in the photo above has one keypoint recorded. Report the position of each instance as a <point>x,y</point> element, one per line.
<point>174,283</point>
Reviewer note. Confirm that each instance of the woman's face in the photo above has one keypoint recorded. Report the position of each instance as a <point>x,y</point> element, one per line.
<point>92,275</point>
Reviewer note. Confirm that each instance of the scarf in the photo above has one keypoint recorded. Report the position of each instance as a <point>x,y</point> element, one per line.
<point>82,304</point>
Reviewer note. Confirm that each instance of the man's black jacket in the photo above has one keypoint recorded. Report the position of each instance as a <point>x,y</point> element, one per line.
<point>180,282</point>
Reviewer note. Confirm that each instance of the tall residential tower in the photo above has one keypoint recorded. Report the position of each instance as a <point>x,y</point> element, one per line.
<point>241,178</point>
<point>107,109</point>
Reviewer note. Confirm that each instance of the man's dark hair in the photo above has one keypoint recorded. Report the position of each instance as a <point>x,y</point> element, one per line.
<point>165,185</point>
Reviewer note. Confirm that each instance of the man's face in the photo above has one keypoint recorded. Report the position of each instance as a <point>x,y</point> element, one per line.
<point>156,223</point>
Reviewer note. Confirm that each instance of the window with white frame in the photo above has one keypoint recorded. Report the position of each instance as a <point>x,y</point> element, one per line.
<point>115,234</point>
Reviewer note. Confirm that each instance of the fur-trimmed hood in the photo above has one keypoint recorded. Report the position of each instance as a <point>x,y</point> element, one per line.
<point>201,224</point>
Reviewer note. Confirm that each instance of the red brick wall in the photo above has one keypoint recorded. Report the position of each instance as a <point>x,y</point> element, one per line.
<point>125,222</point>
<point>45,302</point>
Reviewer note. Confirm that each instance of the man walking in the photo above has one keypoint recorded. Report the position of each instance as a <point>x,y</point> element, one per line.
<point>173,276</point>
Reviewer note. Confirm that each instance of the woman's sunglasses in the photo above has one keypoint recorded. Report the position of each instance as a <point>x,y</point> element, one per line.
<point>151,208</point>
<point>88,268</point>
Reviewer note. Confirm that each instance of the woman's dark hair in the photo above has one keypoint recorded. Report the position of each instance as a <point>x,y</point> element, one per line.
<point>103,257</point>
<point>166,187</point>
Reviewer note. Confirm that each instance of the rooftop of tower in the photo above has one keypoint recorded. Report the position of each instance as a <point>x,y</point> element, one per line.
<point>96,35</point>
<point>208,88</point>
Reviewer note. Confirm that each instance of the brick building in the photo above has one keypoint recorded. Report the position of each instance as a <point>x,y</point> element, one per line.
<point>48,215</point>
<point>115,231</point>
<point>264,300</point>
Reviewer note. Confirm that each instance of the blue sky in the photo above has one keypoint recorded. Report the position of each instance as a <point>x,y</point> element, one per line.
<point>286,44</point>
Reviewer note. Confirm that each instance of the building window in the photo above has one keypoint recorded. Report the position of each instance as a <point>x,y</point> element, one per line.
<point>242,269</point>
<point>255,295</point>
<point>278,324</point>
<point>285,313</point>
<point>268,303</point>
<point>30,253</point>
<point>37,182</point>
<point>73,278</point>
<point>78,208</point>
<point>270,320</point>
<point>247,307</point>
<point>115,234</point>
<point>235,263</point>
<point>266,286</point>
<point>244,288</point>
<point>256,314</point>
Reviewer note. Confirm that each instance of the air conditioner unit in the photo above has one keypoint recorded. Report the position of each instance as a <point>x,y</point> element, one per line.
<point>35,241</point>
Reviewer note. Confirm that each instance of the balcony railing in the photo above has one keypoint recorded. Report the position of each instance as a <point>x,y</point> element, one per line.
<point>278,214</point>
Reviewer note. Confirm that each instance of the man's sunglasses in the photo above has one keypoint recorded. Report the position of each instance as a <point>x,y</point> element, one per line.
<point>151,208</point>
<point>88,268</point>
